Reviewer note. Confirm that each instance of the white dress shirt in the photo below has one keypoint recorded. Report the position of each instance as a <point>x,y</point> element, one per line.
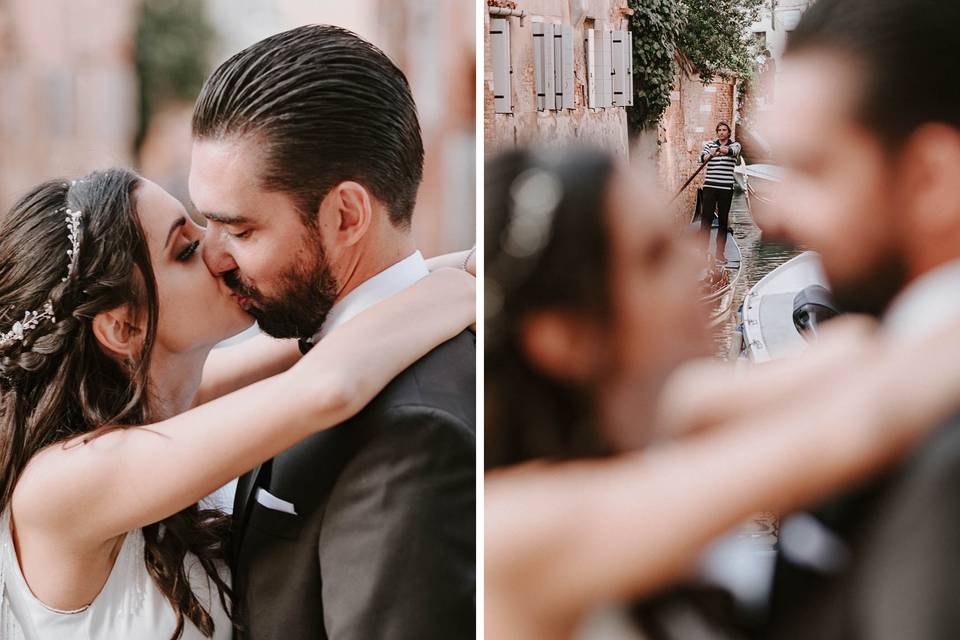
<point>385,284</point>
<point>928,304</point>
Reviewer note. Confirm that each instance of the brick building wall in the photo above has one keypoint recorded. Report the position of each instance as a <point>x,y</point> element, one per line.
<point>771,33</point>
<point>68,102</point>
<point>606,128</point>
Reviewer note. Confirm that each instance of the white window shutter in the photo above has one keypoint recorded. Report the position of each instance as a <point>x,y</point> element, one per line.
<point>628,54</point>
<point>538,63</point>
<point>549,73</point>
<point>590,48</point>
<point>565,85</point>
<point>558,66</point>
<point>618,70</point>
<point>618,52</point>
<point>500,61</point>
<point>605,71</point>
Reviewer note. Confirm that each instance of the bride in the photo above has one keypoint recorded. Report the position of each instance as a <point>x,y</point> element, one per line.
<point>114,422</point>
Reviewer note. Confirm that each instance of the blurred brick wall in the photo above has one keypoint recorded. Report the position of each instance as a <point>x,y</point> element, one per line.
<point>68,100</point>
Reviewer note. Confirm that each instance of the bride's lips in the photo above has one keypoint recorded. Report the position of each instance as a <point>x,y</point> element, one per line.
<point>244,302</point>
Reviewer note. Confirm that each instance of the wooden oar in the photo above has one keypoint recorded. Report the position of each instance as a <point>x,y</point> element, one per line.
<point>690,179</point>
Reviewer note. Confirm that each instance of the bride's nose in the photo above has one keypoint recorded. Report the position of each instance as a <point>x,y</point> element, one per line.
<point>215,255</point>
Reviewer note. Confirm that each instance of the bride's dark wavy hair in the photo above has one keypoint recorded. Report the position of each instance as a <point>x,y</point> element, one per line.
<point>529,414</point>
<point>57,383</point>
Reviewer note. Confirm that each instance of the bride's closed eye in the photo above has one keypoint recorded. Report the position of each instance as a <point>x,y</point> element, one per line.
<point>188,252</point>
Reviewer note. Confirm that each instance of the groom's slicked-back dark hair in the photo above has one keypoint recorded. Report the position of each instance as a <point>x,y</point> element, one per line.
<point>905,52</point>
<point>324,106</point>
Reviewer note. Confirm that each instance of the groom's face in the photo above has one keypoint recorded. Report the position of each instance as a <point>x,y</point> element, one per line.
<point>259,243</point>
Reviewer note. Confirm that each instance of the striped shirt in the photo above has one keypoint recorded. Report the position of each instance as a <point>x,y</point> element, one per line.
<point>720,168</point>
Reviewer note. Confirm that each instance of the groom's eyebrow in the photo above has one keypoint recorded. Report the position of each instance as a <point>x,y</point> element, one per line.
<point>224,219</point>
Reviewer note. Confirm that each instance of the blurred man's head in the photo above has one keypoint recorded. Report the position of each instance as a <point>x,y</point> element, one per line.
<point>307,158</point>
<point>868,126</point>
<point>592,298</point>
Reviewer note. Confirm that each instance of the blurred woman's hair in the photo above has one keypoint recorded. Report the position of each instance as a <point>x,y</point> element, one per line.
<point>57,383</point>
<point>546,250</point>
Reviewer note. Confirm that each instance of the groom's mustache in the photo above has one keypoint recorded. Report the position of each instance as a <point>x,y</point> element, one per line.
<point>232,280</point>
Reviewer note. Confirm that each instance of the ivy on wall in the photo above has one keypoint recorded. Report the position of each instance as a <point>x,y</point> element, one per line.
<point>707,36</point>
<point>656,26</point>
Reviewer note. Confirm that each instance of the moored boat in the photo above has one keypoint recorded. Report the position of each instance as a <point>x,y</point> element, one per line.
<point>720,295</point>
<point>759,182</point>
<point>781,313</point>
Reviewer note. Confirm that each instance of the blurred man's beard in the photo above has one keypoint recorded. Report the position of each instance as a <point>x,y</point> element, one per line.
<point>873,293</point>
<point>305,295</point>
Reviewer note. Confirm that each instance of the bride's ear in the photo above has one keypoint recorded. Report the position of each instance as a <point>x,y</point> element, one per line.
<point>561,345</point>
<point>117,333</point>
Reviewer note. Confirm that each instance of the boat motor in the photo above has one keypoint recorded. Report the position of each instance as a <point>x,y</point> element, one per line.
<point>811,307</point>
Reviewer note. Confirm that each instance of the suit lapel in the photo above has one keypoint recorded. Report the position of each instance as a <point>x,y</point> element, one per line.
<point>242,502</point>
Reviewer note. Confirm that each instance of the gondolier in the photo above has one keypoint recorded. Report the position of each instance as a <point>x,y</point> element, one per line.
<point>721,156</point>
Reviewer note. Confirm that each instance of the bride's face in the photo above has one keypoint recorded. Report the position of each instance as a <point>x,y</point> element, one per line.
<point>196,309</point>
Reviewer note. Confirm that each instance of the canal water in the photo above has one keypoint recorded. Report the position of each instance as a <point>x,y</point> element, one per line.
<point>759,259</point>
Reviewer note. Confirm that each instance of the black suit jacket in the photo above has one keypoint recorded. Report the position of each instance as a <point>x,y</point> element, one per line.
<point>383,543</point>
<point>902,579</point>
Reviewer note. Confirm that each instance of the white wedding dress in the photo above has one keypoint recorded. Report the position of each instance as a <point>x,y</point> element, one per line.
<point>129,607</point>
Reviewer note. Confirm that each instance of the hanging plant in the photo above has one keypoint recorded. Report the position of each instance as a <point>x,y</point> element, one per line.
<point>709,37</point>
<point>656,26</point>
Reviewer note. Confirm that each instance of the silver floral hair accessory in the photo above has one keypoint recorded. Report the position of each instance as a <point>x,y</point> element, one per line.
<point>32,319</point>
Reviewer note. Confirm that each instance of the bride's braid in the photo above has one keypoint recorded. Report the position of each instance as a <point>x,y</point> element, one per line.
<point>30,354</point>
<point>56,382</point>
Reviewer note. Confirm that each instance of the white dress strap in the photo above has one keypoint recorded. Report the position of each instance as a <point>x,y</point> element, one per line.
<point>130,605</point>
<point>9,627</point>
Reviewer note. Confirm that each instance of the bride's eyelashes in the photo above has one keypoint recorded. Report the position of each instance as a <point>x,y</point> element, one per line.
<point>242,234</point>
<point>188,252</point>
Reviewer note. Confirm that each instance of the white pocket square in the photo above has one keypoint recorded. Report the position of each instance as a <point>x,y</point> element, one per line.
<point>271,501</point>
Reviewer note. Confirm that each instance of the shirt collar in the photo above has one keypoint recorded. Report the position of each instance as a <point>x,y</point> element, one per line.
<point>385,284</point>
<point>929,303</point>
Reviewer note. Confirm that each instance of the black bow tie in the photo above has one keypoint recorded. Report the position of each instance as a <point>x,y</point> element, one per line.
<point>305,345</point>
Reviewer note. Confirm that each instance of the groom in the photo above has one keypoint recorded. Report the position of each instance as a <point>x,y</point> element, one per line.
<point>306,161</point>
<point>874,192</point>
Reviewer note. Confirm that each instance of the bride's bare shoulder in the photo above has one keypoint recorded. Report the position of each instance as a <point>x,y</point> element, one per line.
<point>34,499</point>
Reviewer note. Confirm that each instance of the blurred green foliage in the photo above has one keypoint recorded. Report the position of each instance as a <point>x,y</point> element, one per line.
<point>172,55</point>
<point>709,37</point>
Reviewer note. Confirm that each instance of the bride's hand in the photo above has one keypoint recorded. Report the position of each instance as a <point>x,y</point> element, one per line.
<point>463,260</point>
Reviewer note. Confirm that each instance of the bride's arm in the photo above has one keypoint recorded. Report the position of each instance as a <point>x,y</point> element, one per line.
<point>627,527</point>
<point>698,395</point>
<point>124,479</point>
<point>231,368</point>
<point>235,367</point>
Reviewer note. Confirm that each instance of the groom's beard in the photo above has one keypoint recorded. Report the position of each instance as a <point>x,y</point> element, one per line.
<point>305,295</point>
<point>873,293</point>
